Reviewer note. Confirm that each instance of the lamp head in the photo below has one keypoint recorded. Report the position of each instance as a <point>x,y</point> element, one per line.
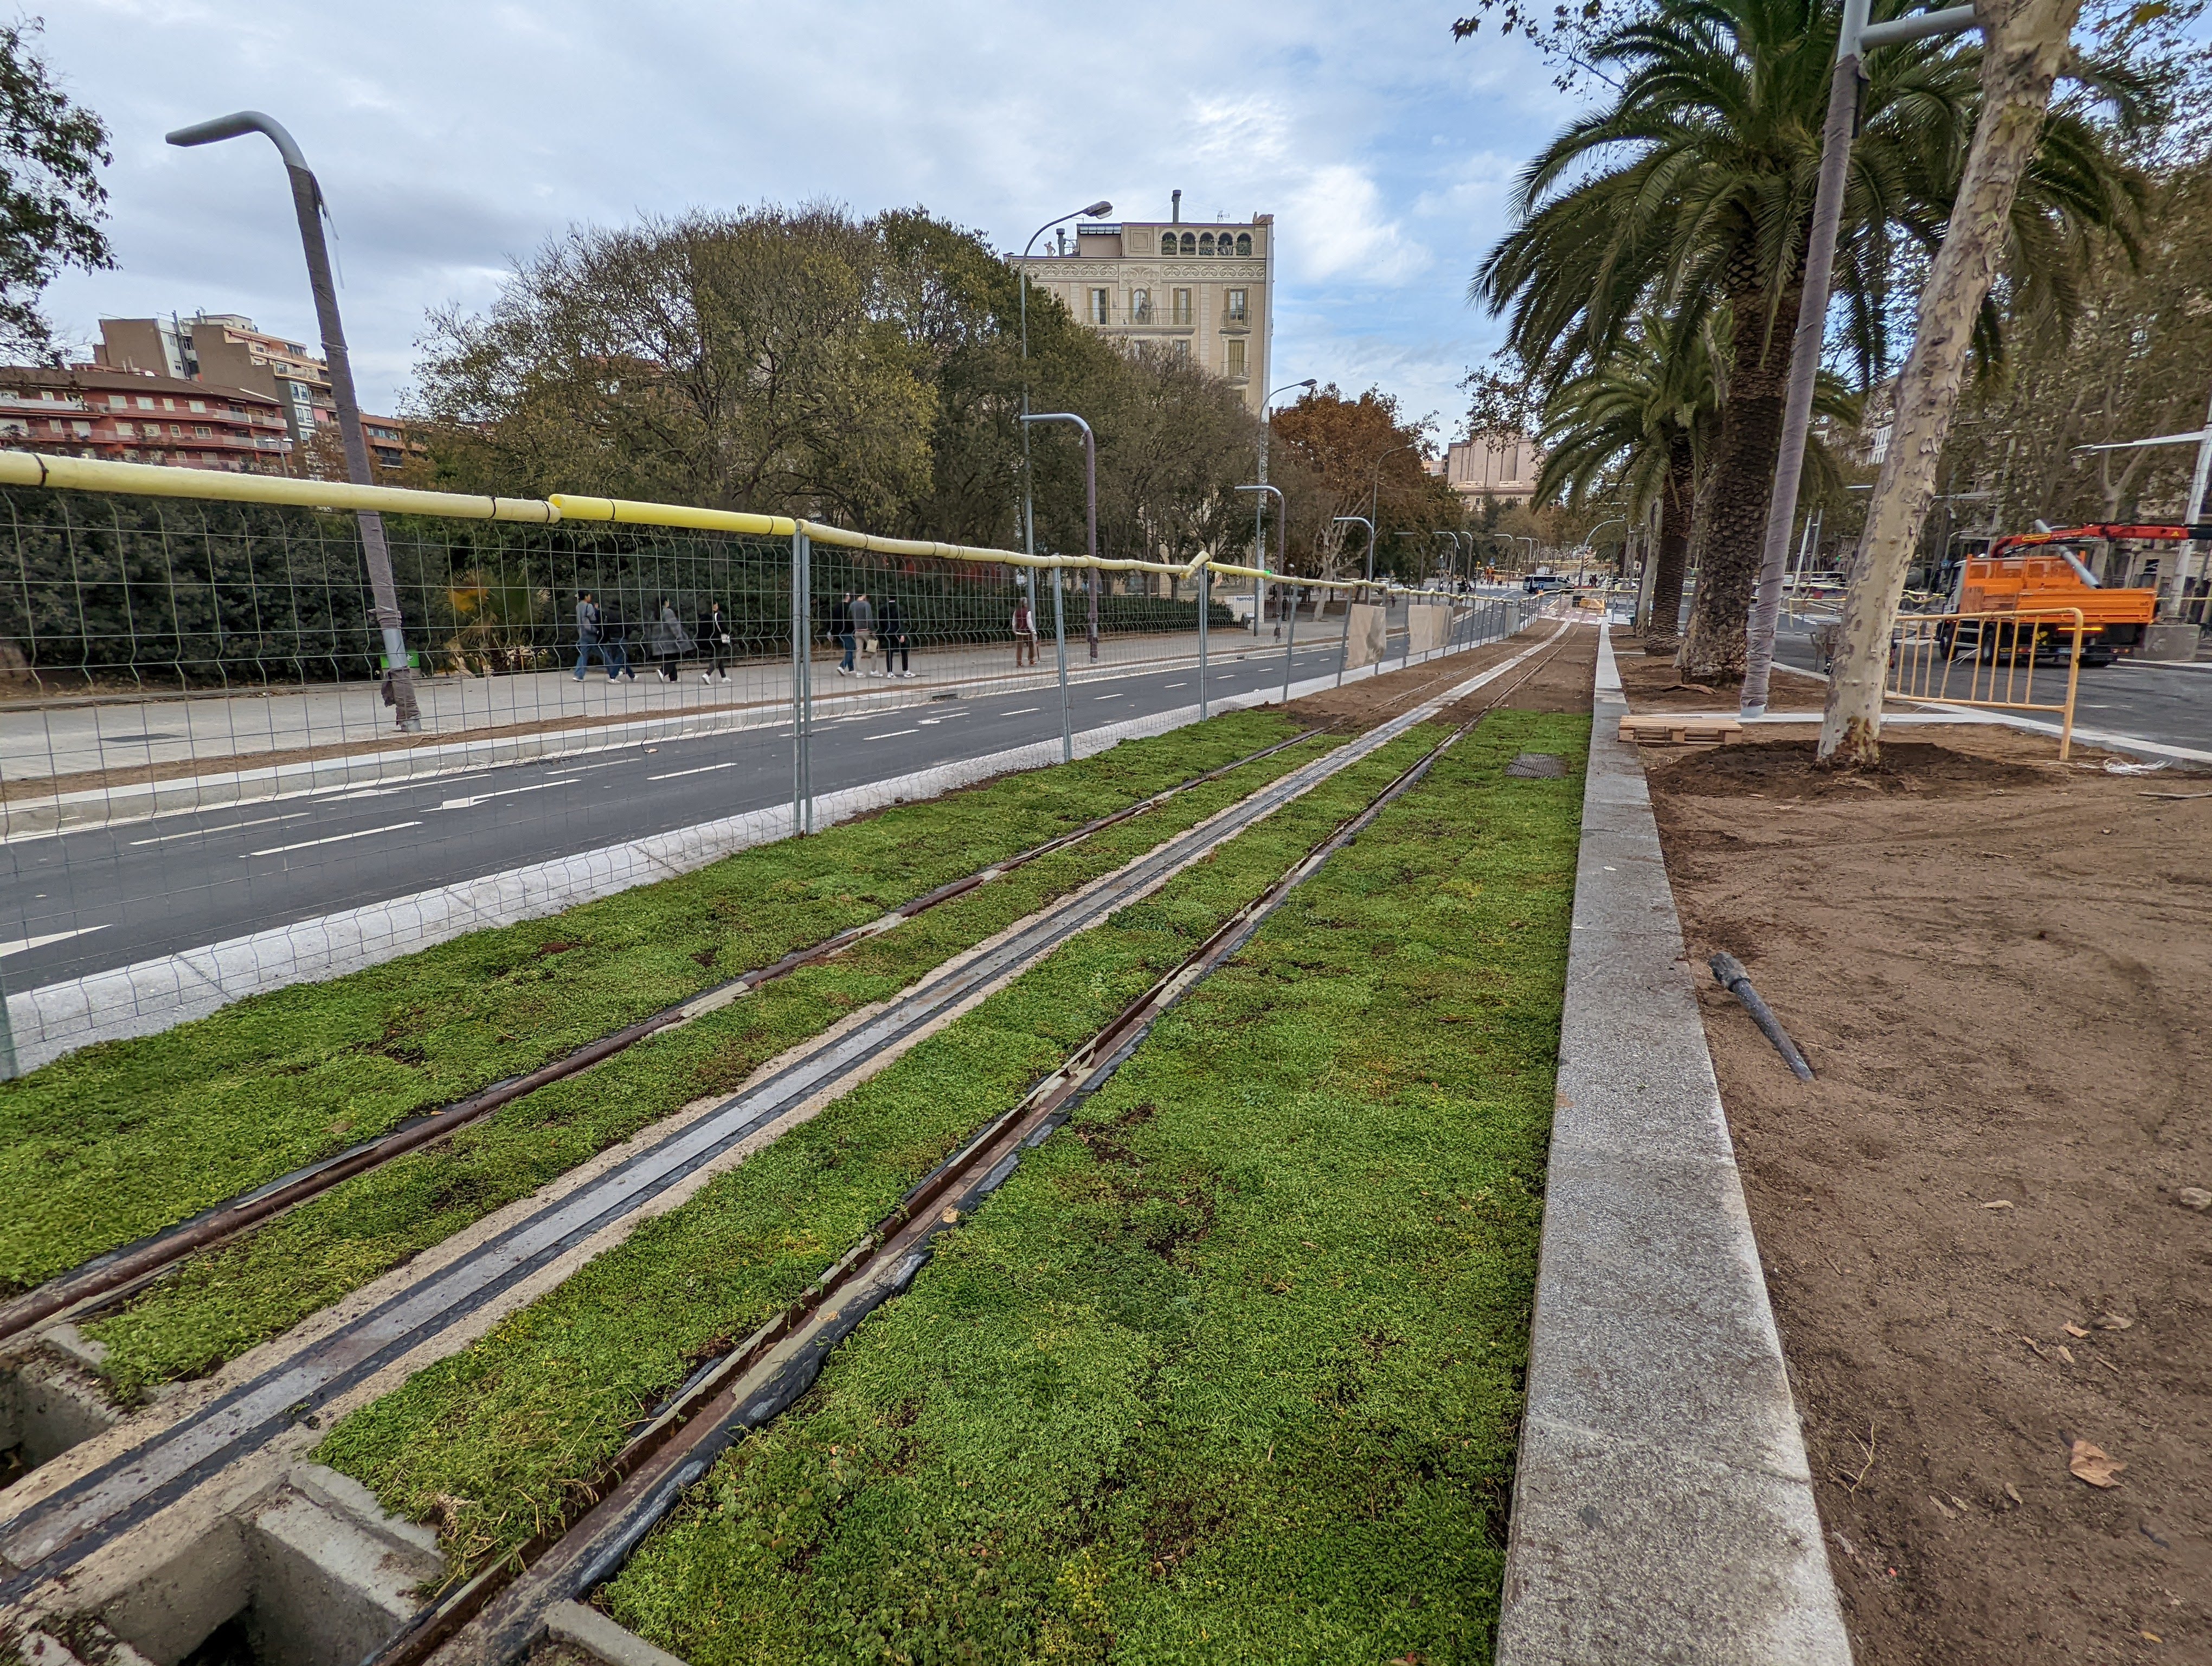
<point>1098,210</point>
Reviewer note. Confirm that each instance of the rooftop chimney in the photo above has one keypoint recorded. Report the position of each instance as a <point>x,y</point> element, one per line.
<point>1175,212</point>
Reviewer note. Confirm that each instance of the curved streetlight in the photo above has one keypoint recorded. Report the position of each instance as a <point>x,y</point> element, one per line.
<point>1266,428</point>
<point>1590,538</point>
<point>1029,479</point>
<point>376,553</point>
<point>1090,546</point>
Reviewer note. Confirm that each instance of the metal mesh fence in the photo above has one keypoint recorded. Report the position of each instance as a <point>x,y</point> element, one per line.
<point>200,769</point>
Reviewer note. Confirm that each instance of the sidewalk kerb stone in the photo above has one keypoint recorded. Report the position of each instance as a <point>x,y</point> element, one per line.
<point>1663,1507</point>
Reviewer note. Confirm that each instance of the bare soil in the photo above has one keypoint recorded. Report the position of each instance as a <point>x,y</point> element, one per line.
<point>1374,700</point>
<point>1972,1223</point>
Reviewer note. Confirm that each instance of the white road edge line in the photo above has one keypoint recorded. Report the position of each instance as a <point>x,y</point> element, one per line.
<point>227,827</point>
<point>22,944</point>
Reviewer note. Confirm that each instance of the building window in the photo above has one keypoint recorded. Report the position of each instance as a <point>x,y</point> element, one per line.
<point>1236,356</point>
<point>1140,306</point>
<point>1182,308</point>
<point>1189,244</point>
<point>199,405</point>
<point>202,431</point>
<point>1102,306</point>
<point>1237,309</point>
<point>1206,242</point>
<point>145,403</point>
<point>1244,243</point>
<point>1182,350</point>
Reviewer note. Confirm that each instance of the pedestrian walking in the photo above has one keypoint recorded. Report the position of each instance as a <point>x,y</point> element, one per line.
<point>864,625</point>
<point>587,635</point>
<point>716,629</point>
<point>614,643</point>
<point>841,628</point>
<point>670,642</point>
<point>891,635</point>
<point>1025,635</point>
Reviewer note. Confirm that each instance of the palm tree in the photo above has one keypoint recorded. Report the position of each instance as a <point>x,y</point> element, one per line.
<point>1692,192</point>
<point>1643,422</point>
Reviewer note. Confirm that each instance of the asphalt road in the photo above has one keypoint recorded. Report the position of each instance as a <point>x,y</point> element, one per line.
<point>2169,704</point>
<point>107,896</point>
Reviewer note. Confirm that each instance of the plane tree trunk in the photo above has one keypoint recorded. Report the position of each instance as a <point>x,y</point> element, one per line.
<point>2025,41</point>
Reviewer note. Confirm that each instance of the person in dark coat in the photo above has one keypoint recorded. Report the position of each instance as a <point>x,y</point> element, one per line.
<point>716,630</point>
<point>841,628</point>
<point>588,636</point>
<point>891,634</point>
<point>614,643</point>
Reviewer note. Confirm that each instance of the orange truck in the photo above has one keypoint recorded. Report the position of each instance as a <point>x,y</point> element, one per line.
<point>2030,572</point>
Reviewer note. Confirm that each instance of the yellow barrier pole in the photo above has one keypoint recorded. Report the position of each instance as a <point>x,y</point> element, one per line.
<point>2073,681</point>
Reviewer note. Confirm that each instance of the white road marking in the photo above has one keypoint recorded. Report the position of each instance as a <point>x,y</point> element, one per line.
<point>534,786</point>
<point>227,827</point>
<point>1021,711</point>
<point>1177,685</point>
<point>891,734</point>
<point>334,838</point>
<point>22,943</point>
<point>702,769</point>
<point>1105,697</point>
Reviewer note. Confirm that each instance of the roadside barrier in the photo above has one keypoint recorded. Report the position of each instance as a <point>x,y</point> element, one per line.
<point>2000,651</point>
<point>208,737</point>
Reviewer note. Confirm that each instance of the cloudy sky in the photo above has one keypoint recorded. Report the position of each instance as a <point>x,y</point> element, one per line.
<point>452,137</point>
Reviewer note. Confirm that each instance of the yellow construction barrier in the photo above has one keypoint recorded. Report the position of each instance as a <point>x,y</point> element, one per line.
<point>20,468</point>
<point>2000,674</point>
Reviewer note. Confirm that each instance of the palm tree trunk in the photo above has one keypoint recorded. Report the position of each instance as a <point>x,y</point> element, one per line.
<point>1731,536</point>
<point>1677,502</point>
<point>2024,43</point>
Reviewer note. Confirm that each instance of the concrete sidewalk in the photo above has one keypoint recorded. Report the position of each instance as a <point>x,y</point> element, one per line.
<point>1663,1508</point>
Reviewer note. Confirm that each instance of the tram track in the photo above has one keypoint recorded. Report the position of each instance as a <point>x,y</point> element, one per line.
<point>115,1276</point>
<point>501,1613</point>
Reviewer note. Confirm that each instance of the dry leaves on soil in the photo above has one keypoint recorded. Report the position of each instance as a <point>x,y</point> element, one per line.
<point>2093,1464</point>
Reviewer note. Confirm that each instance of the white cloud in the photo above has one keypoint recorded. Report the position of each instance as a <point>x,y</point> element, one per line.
<point>453,137</point>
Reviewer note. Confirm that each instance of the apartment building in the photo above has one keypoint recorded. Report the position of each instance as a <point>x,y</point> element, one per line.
<point>226,351</point>
<point>1502,467</point>
<point>1200,293</point>
<point>133,417</point>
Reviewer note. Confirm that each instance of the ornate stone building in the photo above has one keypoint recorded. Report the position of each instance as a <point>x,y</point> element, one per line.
<point>1201,293</point>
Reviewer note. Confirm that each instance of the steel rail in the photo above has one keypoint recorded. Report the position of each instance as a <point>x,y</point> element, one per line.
<point>117,1273</point>
<point>413,1317</point>
<point>500,1614</point>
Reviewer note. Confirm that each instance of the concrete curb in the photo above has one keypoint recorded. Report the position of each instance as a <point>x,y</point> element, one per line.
<point>149,996</point>
<point>1662,1509</point>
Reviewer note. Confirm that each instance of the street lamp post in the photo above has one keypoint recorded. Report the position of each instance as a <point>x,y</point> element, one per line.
<point>1090,547</point>
<point>1344,651</point>
<point>1260,544</point>
<point>376,553</point>
<point>1029,479</point>
<point>1856,37</point>
<point>1375,487</point>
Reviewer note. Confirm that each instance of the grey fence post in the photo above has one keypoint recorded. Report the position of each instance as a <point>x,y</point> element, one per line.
<point>1204,602</point>
<point>802,679</point>
<point>1290,636</point>
<point>8,1070</point>
<point>1408,659</point>
<point>1344,647</point>
<point>1060,658</point>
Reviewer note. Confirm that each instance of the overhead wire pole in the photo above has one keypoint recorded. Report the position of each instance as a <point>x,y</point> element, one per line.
<point>1853,41</point>
<point>1058,615</point>
<point>376,553</point>
<point>802,682</point>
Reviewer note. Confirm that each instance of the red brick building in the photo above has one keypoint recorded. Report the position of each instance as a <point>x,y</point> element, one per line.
<point>126,416</point>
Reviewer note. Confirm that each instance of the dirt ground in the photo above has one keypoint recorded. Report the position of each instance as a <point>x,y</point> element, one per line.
<point>1564,677</point>
<point>1973,1222</point>
<point>1654,685</point>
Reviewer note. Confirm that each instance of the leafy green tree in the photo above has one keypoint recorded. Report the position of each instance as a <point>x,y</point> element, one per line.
<point>1691,190</point>
<point>50,195</point>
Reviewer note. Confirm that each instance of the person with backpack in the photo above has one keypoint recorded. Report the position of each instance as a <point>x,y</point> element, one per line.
<point>1025,632</point>
<point>890,636</point>
<point>588,636</point>
<point>670,642</point>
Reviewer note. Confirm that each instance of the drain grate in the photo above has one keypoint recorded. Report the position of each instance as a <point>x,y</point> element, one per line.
<point>1538,766</point>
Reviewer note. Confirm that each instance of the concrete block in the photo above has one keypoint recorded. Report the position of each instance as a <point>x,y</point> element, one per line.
<point>2168,643</point>
<point>49,1404</point>
<point>596,1635</point>
<point>332,1577</point>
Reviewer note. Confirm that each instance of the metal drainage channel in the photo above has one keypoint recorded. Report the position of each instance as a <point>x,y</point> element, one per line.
<point>281,1404</point>
<point>112,1277</point>
<point>502,1614</point>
